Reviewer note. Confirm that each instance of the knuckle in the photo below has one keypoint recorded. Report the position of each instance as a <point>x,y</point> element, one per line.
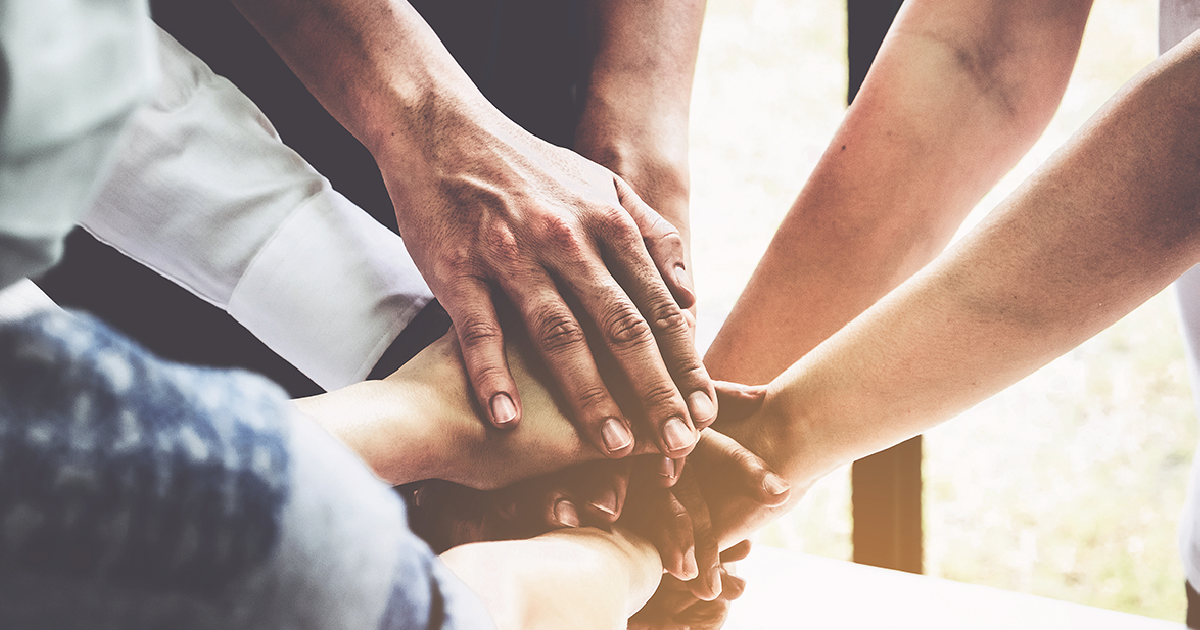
<point>561,235</point>
<point>590,398</point>
<point>459,261</point>
<point>616,224</point>
<point>658,239</point>
<point>488,373</point>
<point>556,331</point>
<point>477,332</point>
<point>661,395</point>
<point>501,242</point>
<point>626,327</point>
<point>667,318</point>
<point>693,373</point>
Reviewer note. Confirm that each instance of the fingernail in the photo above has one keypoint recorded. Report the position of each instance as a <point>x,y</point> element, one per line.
<point>774,484</point>
<point>565,514</point>
<point>676,435</point>
<point>702,407</point>
<point>666,468</point>
<point>615,435</point>
<point>503,409</point>
<point>690,570</point>
<point>681,276</point>
<point>714,582</point>
<point>607,502</point>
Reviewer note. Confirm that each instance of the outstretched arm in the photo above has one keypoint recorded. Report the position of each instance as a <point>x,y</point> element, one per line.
<point>491,214</point>
<point>959,92</point>
<point>1107,222</point>
<point>639,92</point>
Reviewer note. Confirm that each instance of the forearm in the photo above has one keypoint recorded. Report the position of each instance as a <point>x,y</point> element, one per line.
<point>959,91</point>
<point>635,113</point>
<point>1108,222</point>
<point>379,69</point>
<point>581,578</point>
<point>395,430</point>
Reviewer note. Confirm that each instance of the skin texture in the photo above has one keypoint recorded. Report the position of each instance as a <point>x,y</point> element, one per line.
<point>420,424</point>
<point>497,219</point>
<point>1111,219</point>
<point>635,115</point>
<point>960,90</point>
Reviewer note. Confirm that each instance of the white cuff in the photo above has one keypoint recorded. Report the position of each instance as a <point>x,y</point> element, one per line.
<point>330,291</point>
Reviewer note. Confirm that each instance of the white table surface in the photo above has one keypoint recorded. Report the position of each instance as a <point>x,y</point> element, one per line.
<point>786,589</point>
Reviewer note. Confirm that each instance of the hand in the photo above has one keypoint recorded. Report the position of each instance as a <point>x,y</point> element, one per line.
<point>580,578</point>
<point>756,433</point>
<point>675,607</point>
<point>446,514</point>
<point>497,215</point>
<point>677,520</point>
<point>420,423</point>
<point>688,523</point>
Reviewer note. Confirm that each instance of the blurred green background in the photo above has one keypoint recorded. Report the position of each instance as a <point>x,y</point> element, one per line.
<point>1067,485</point>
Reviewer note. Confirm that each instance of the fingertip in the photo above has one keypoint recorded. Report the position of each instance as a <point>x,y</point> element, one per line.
<point>737,552</point>
<point>606,505</point>
<point>688,568</point>
<point>702,407</point>
<point>565,513</point>
<point>668,471</point>
<point>504,411</point>
<point>678,437</point>
<point>732,586</point>
<point>616,439</point>
<point>775,490</point>
<point>680,283</point>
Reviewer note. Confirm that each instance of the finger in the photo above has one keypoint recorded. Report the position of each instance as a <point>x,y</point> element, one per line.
<point>738,402</point>
<point>736,552</point>
<point>468,302</point>
<point>677,547</point>
<point>739,467</point>
<point>559,338</point>
<point>662,242</point>
<point>732,586</point>
<point>707,585</point>
<point>657,515</point>
<point>648,337</point>
<point>538,506</point>
<point>668,470</point>
<point>668,323</point>
<point>631,341</point>
<point>607,485</point>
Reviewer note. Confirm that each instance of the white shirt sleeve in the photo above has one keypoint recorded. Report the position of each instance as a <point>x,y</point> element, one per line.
<point>207,195</point>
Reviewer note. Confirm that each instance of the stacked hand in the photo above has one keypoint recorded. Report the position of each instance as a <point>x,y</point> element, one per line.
<point>682,510</point>
<point>506,221</point>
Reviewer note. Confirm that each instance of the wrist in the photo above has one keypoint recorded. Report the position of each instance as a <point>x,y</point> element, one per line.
<point>658,174</point>
<point>386,425</point>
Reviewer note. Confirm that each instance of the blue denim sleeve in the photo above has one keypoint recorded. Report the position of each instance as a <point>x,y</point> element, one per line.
<point>138,493</point>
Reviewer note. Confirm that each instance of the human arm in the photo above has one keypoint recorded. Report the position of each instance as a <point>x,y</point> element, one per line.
<point>579,578</point>
<point>635,110</point>
<point>488,210</point>
<point>307,272</point>
<point>1107,222</point>
<point>959,91</point>
<point>421,423</point>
